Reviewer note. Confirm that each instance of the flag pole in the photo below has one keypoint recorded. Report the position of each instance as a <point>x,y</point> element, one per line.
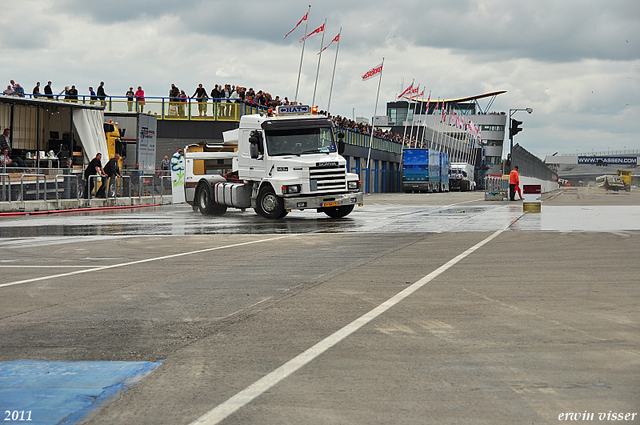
<point>304,41</point>
<point>404,135</point>
<point>334,70</point>
<point>324,29</point>
<point>375,111</point>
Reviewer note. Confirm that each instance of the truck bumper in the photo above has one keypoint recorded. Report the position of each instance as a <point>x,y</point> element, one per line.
<point>301,203</point>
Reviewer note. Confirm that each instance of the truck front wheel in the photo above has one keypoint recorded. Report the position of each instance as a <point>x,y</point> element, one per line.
<point>268,204</point>
<point>338,212</point>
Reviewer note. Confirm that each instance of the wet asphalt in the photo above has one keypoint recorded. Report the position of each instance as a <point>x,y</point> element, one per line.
<point>508,318</point>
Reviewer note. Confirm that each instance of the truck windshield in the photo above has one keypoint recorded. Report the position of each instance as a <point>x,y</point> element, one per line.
<point>300,141</point>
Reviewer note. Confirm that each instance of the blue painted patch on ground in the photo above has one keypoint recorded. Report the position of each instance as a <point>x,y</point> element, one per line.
<point>48,393</point>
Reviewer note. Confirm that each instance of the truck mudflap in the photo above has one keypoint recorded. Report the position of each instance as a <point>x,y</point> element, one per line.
<point>326,201</point>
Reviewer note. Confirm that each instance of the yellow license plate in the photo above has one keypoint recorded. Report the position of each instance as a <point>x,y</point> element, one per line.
<point>329,204</point>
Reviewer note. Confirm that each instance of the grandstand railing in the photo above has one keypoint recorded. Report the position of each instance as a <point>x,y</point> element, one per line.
<point>167,108</point>
<point>364,140</point>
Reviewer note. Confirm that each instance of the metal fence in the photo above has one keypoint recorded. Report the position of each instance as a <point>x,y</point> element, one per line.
<point>35,187</point>
<point>496,185</point>
<point>530,165</point>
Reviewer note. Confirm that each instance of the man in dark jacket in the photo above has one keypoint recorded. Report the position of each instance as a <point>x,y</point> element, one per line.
<point>48,91</point>
<point>94,168</point>
<point>102,95</point>
<point>111,170</point>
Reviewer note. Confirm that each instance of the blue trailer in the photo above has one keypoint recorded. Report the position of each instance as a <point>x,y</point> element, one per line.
<point>421,170</point>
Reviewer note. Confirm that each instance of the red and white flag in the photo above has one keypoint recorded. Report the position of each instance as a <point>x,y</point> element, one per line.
<point>416,94</point>
<point>406,91</point>
<point>304,18</point>
<point>428,99</point>
<point>372,72</point>
<point>314,32</point>
<point>335,40</point>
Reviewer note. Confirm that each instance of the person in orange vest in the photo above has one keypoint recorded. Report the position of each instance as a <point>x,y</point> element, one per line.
<point>514,181</point>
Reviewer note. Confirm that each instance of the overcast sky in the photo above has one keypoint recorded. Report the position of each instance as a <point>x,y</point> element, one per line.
<point>575,62</point>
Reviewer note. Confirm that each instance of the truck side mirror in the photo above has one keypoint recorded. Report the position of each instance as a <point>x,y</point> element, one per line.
<point>341,143</point>
<point>255,139</point>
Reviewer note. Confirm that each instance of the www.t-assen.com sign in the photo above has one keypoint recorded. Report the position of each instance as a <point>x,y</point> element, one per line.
<point>609,160</point>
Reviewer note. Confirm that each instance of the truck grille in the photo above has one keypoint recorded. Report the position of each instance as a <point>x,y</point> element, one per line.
<point>327,179</point>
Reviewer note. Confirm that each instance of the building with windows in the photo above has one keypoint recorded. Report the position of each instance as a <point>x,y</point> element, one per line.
<point>441,119</point>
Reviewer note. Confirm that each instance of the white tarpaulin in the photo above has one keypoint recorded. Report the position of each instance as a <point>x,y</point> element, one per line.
<point>89,124</point>
<point>177,178</point>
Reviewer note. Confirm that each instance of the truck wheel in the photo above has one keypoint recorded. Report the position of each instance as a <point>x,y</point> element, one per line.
<point>338,212</point>
<point>204,200</point>
<point>268,204</point>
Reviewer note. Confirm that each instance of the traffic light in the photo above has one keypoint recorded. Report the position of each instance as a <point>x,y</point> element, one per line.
<point>515,127</point>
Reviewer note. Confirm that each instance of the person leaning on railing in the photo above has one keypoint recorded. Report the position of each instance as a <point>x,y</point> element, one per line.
<point>130,95</point>
<point>139,94</point>
<point>174,93</point>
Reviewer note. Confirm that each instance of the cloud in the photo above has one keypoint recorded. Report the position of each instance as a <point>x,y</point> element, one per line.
<point>577,63</point>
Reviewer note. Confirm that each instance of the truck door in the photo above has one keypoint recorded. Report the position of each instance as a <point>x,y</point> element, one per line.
<point>254,167</point>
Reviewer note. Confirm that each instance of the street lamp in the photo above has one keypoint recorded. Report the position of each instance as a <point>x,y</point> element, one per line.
<point>511,112</point>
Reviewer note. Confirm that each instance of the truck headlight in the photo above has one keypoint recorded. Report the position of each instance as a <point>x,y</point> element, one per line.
<point>353,185</point>
<point>294,188</point>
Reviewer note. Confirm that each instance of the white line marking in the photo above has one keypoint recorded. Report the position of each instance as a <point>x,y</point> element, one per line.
<point>28,266</point>
<point>131,263</point>
<point>261,386</point>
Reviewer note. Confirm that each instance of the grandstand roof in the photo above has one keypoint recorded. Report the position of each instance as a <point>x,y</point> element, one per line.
<point>464,99</point>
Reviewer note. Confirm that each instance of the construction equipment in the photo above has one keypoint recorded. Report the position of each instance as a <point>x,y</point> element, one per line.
<point>625,175</point>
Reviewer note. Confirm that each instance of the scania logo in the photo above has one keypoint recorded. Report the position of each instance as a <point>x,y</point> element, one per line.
<point>327,164</point>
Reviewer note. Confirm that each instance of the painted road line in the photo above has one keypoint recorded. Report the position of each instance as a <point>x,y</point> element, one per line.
<point>261,386</point>
<point>133,263</point>
<point>51,392</point>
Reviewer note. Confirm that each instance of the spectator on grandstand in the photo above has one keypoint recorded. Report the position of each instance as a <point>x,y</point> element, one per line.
<point>234,96</point>
<point>48,91</point>
<point>102,95</point>
<point>73,94</point>
<point>174,93</point>
<point>215,93</point>
<point>139,94</point>
<point>182,99</point>
<point>226,92</point>
<point>241,92</point>
<point>19,91</point>
<point>36,90</point>
<point>92,95</point>
<point>130,95</point>
<point>8,91</point>
<point>201,96</point>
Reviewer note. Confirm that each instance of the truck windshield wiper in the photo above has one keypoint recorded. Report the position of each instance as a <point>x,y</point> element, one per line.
<point>310,151</point>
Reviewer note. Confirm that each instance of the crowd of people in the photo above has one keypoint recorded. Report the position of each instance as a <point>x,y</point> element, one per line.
<point>231,93</point>
<point>358,127</point>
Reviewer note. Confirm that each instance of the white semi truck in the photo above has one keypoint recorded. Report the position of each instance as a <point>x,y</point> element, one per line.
<point>461,176</point>
<point>287,161</point>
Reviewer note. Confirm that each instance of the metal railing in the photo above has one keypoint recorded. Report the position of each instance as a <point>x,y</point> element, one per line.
<point>355,138</point>
<point>37,188</point>
<point>223,109</point>
<point>68,186</point>
<point>530,165</point>
<point>162,186</point>
<point>496,185</point>
<point>5,194</point>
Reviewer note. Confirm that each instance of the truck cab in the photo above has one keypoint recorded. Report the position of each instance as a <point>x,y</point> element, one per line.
<point>284,162</point>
